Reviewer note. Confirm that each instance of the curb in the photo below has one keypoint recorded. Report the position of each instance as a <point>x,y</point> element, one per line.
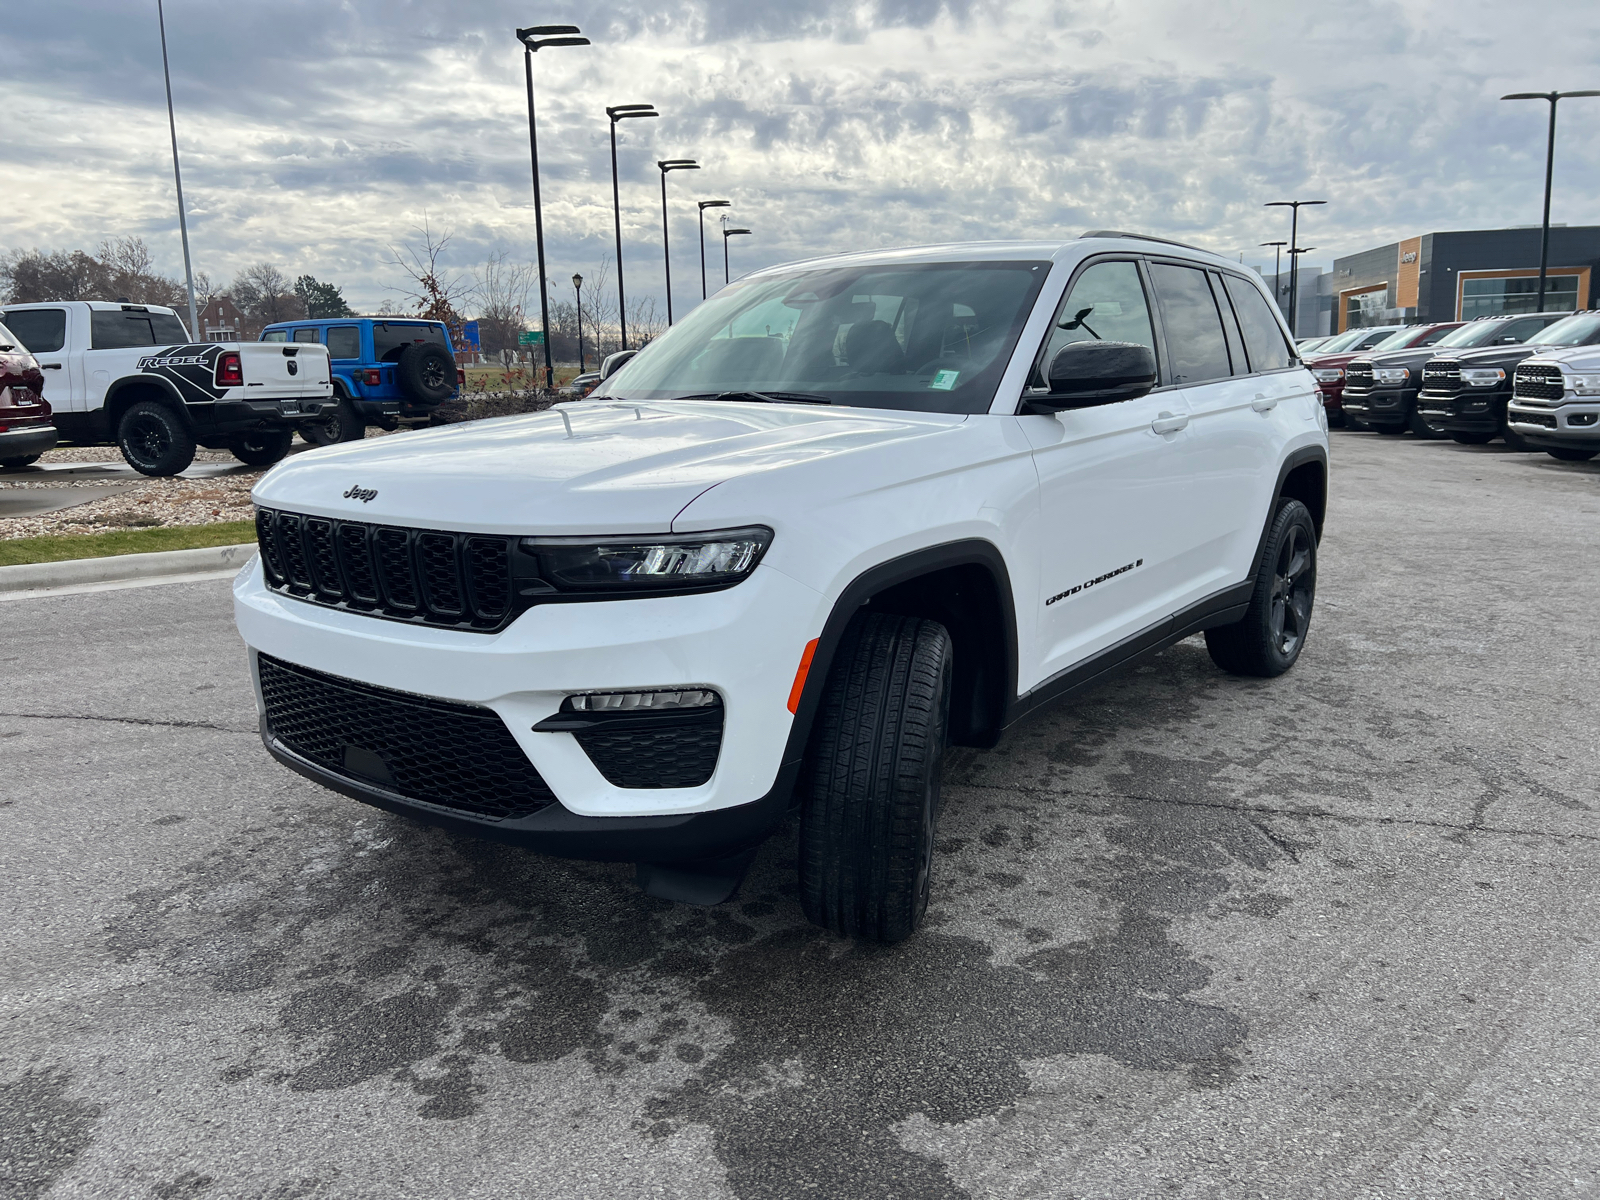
<point>75,572</point>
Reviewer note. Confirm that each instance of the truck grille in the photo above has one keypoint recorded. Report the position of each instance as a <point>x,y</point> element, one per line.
<point>1545,420</point>
<point>1442,375</point>
<point>456,756</point>
<point>1537,382</point>
<point>1358,375</point>
<point>424,576</point>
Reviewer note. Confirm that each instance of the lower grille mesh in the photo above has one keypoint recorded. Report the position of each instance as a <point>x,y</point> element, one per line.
<point>458,756</point>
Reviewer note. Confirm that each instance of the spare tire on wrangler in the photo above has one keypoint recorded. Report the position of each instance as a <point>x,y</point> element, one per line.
<point>427,374</point>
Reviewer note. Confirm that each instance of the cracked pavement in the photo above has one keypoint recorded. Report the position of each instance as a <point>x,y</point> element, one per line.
<point>1332,935</point>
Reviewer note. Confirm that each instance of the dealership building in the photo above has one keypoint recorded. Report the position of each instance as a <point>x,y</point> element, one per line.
<point>1450,277</point>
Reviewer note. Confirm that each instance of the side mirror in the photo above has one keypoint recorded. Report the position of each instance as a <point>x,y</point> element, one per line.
<point>1086,374</point>
<point>614,362</point>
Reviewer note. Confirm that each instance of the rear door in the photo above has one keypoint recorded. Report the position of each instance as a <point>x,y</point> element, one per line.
<point>50,336</point>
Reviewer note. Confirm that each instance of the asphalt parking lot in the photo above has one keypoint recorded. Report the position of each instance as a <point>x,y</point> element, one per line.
<point>1192,936</point>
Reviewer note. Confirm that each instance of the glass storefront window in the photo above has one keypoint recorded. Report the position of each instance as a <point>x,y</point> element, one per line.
<point>1366,309</point>
<point>1491,297</point>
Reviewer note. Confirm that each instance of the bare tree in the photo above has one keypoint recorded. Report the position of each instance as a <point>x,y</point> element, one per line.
<point>502,289</point>
<point>433,295</point>
<point>265,295</point>
<point>123,269</point>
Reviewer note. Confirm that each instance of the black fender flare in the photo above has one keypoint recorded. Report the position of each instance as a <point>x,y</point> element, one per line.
<point>143,380</point>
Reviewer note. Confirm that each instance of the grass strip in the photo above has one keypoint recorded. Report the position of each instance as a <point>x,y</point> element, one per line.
<point>14,551</point>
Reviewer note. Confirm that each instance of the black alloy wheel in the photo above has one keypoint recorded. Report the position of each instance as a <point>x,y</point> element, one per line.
<point>154,439</point>
<point>338,423</point>
<point>1294,585</point>
<point>1269,638</point>
<point>261,447</point>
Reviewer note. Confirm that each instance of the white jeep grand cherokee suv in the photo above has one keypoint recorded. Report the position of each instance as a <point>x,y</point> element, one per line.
<point>848,512</point>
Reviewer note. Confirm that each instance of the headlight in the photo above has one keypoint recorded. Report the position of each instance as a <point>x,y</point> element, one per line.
<point>1586,385</point>
<point>1328,374</point>
<point>1391,375</point>
<point>690,562</point>
<point>1482,376</point>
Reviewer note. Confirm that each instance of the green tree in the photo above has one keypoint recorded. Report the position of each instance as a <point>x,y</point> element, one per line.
<point>321,299</point>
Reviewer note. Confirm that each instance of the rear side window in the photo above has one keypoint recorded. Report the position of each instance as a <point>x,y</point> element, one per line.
<point>1516,332</point>
<point>1193,327</point>
<point>275,335</point>
<point>1263,336</point>
<point>389,338</point>
<point>308,335</point>
<point>118,330</point>
<point>1107,303</point>
<point>344,341</point>
<point>1433,336</point>
<point>1372,339</point>
<point>41,330</point>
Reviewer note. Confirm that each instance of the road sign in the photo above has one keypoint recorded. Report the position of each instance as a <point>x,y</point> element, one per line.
<point>531,337</point>
<point>469,334</point>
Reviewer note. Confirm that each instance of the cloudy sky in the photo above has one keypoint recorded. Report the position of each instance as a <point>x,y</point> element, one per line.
<point>317,133</point>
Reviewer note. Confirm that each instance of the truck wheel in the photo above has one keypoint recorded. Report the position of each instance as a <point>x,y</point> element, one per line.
<point>1391,430</point>
<point>1273,632</point>
<point>154,439</point>
<point>340,424</point>
<point>1572,455</point>
<point>16,464</point>
<point>871,798</point>
<point>261,448</point>
<point>426,374</point>
<point>1420,428</point>
<point>1473,439</point>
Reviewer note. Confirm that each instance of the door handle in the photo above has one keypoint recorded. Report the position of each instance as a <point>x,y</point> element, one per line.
<point>1264,403</point>
<point>50,366</point>
<point>1168,422</point>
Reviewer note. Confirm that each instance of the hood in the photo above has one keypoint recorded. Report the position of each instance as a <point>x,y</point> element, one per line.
<point>1401,358</point>
<point>1574,358</point>
<point>1336,360</point>
<point>1491,356</point>
<point>591,467</point>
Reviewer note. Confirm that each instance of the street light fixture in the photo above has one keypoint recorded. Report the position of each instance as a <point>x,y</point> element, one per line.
<point>535,38</point>
<point>1277,251</point>
<point>705,204</point>
<point>622,112</point>
<point>577,287</point>
<point>1549,171</point>
<point>1294,260</point>
<point>726,234</point>
<point>665,165</point>
<point>177,177</point>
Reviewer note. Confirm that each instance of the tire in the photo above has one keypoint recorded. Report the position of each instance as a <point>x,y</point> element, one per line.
<point>1269,639</point>
<point>1420,428</point>
<point>1572,455</point>
<point>261,448</point>
<point>426,373</point>
<point>870,801</point>
<point>16,464</point>
<point>154,440</point>
<point>341,424</point>
<point>1391,430</point>
<point>1473,439</point>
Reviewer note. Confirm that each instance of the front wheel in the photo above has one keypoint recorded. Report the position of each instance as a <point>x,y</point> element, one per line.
<point>16,464</point>
<point>154,439</point>
<point>1269,639</point>
<point>260,448</point>
<point>1572,455</point>
<point>871,799</point>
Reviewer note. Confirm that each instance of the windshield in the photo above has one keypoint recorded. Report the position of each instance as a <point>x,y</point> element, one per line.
<point>930,337</point>
<point>1397,340</point>
<point>1474,334</point>
<point>1335,344</point>
<point>1577,330</point>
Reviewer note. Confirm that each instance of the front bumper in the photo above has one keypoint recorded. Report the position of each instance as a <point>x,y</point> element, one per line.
<point>1467,411</point>
<point>22,441</point>
<point>744,643</point>
<point>1574,425</point>
<point>1379,406</point>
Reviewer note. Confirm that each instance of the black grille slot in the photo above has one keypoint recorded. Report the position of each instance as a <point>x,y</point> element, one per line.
<point>1358,375</point>
<point>1546,420</point>
<point>669,750</point>
<point>456,756</point>
<point>1538,383</point>
<point>429,577</point>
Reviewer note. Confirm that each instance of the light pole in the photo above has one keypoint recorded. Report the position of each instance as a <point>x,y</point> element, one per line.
<point>177,176</point>
<point>665,165</point>
<point>705,204</point>
<point>622,112</point>
<point>1277,274</point>
<point>537,37</point>
<point>726,234</point>
<point>1549,172</point>
<point>1294,277</point>
<point>577,287</point>
<point>1294,259</point>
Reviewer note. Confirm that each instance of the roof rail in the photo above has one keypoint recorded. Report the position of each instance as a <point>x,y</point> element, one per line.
<point>1143,237</point>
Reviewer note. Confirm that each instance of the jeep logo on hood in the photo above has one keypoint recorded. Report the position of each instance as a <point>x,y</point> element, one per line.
<point>360,493</point>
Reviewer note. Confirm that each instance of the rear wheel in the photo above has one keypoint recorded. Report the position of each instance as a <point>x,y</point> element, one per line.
<point>1572,455</point>
<point>1473,439</point>
<point>341,423</point>
<point>154,439</point>
<point>261,448</point>
<point>871,798</point>
<point>1269,639</point>
<point>16,464</point>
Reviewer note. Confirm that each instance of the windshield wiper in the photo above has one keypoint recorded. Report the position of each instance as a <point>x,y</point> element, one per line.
<point>763,397</point>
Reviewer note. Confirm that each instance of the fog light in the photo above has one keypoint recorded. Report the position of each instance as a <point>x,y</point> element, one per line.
<point>634,701</point>
<point>1581,419</point>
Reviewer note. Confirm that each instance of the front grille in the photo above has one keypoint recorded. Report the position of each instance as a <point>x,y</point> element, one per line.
<point>681,752</point>
<point>1535,382</point>
<point>1358,375</point>
<point>1442,375</point>
<point>456,756</point>
<point>1545,420</point>
<point>425,576</point>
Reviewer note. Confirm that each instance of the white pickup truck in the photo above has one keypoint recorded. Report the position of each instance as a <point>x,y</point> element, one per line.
<point>129,373</point>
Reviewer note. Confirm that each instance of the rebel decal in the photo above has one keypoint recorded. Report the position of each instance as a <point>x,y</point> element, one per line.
<point>1096,581</point>
<point>191,369</point>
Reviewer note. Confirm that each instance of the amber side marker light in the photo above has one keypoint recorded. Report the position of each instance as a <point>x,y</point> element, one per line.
<point>800,675</point>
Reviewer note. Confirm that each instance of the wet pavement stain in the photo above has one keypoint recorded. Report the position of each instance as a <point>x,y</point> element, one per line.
<point>43,1130</point>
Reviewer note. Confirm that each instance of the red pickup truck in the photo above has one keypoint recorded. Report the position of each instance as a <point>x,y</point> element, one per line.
<point>26,430</point>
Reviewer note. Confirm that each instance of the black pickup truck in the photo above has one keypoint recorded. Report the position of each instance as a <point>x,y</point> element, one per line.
<point>1380,387</point>
<point>1465,390</point>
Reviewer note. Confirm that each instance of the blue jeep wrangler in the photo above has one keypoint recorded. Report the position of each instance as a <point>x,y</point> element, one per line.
<point>385,370</point>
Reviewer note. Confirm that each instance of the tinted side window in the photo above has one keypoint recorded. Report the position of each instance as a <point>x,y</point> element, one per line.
<point>168,329</point>
<point>344,341</point>
<point>391,337</point>
<point>41,330</point>
<point>118,330</point>
<point>1106,304</point>
<point>1430,338</point>
<point>1372,339</point>
<point>1263,336</point>
<point>1192,324</point>
<point>275,335</point>
<point>307,335</point>
<point>1519,331</point>
<point>1230,325</point>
